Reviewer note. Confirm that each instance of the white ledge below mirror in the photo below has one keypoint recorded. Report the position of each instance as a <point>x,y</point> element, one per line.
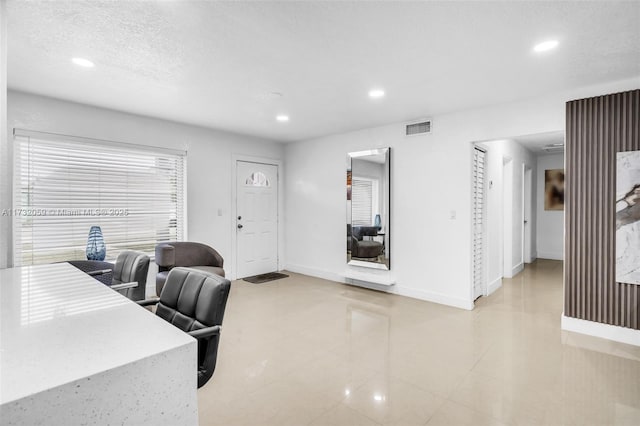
<point>382,278</point>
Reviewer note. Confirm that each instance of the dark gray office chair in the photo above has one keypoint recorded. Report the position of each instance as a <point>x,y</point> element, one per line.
<point>194,301</point>
<point>185,253</point>
<point>128,275</point>
<point>365,248</point>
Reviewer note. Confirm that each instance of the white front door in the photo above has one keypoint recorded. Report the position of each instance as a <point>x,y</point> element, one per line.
<point>256,218</point>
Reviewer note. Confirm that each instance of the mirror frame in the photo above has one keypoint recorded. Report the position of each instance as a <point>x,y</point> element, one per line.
<point>386,202</point>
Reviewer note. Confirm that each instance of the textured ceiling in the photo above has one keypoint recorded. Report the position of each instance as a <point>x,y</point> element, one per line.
<point>218,64</point>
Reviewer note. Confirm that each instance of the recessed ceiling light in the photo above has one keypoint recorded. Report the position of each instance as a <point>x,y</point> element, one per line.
<point>282,118</point>
<point>376,93</point>
<point>546,45</point>
<point>83,62</point>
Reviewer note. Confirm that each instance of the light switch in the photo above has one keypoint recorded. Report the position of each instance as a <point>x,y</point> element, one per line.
<point>452,215</point>
<point>219,212</point>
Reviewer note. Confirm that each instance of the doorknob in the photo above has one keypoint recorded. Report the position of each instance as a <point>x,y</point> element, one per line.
<point>239,226</point>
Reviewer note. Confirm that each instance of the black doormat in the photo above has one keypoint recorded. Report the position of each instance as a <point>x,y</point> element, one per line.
<point>263,278</point>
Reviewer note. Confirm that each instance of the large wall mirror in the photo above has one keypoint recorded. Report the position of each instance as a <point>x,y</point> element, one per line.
<point>368,208</point>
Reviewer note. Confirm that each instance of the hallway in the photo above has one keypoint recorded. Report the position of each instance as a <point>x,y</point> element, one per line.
<point>557,377</point>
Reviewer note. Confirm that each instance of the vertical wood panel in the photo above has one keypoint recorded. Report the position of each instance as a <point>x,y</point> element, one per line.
<point>597,128</point>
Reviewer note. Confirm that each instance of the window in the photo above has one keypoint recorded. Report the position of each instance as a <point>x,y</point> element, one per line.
<point>364,199</point>
<point>64,185</point>
<point>257,179</point>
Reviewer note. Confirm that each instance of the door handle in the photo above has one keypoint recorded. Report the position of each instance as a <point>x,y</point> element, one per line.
<point>240,226</point>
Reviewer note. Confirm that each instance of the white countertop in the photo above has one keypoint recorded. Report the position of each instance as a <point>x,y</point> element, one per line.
<point>58,325</point>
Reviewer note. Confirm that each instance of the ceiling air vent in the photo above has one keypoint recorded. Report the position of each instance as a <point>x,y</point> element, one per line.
<point>552,148</point>
<point>418,128</point>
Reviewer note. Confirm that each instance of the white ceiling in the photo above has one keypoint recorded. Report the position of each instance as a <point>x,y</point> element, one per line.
<point>536,143</point>
<point>217,64</point>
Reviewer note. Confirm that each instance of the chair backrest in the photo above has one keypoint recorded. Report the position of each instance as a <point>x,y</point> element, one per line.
<point>365,231</point>
<point>131,266</point>
<point>186,253</point>
<point>192,300</point>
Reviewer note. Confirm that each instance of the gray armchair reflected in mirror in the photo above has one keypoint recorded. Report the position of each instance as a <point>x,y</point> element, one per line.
<point>368,208</point>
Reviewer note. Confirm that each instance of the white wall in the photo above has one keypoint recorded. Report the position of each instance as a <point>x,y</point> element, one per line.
<point>550,227</point>
<point>430,177</point>
<point>209,155</point>
<point>504,234</point>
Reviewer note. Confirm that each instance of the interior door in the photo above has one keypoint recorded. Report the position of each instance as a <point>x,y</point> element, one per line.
<point>257,218</point>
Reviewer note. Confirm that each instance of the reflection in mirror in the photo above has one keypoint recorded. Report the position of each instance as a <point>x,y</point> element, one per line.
<point>368,210</point>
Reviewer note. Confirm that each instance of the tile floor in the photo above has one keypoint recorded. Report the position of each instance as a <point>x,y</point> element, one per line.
<point>305,351</point>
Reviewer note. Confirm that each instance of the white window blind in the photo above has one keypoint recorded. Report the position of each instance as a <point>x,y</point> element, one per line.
<point>361,202</point>
<point>64,185</point>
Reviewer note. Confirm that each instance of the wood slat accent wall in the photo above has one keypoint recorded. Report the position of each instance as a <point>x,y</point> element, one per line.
<point>597,128</point>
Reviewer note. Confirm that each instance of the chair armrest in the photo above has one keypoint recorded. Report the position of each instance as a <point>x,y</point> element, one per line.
<point>219,261</point>
<point>99,272</point>
<point>124,285</point>
<point>147,302</point>
<point>165,256</point>
<point>205,332</point>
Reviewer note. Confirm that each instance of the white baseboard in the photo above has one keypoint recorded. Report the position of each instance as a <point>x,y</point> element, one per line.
<point>494,285</point>
<point>431,296</point>
<point>399,290</point>
<point>604,331</point>
<point>552,255</point>
<point>313,272</point>
<point>517,269</point>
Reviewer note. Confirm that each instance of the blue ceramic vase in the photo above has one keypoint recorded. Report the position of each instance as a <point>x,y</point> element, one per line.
<point>377,222</point>
<point>96,249</point>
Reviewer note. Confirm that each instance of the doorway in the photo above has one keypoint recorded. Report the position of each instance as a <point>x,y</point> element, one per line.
<point>527,207</point>
<point>507,217</point>
<point>507,166</point>
<point>518,229</point>
<point>256,219</point>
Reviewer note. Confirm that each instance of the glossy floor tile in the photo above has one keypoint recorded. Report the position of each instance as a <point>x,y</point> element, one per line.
<point>306,351</point>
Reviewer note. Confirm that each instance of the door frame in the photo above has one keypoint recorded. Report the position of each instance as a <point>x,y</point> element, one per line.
<point>527,213</point>
<point>507,216</point>
<point>234,214</point>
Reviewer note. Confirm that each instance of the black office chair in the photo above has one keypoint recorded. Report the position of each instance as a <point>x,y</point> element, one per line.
<point>194,301</point>
<point>128,275</point>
